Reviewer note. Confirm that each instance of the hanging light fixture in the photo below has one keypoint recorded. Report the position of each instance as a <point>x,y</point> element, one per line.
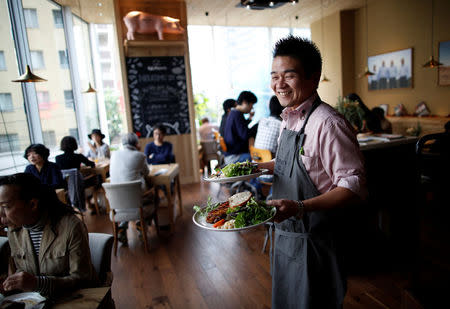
<point>90,89</point>
<point>367,72</point>
<point>432,63</point>
<point>29,77</point>
<point>324,78</point>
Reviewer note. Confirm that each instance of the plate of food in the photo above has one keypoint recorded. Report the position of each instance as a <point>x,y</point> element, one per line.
<point>240,212</point>
<point>238,171</point>
<point>27,300</point>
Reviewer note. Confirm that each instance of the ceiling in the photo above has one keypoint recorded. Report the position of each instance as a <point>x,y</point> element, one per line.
<point>225,12</point>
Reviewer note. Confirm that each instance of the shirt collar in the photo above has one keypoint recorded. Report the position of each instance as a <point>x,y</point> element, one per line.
<point>301,109</point>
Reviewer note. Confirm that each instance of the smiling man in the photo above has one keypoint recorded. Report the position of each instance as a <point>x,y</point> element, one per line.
<point>318,169</point>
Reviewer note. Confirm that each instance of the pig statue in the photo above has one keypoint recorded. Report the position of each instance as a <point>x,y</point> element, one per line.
<point>145,23</point>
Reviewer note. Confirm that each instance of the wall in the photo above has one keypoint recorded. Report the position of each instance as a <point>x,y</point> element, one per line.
<point>400,24</point>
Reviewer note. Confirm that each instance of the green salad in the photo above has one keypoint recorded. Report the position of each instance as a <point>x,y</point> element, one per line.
<point>238,169</point>
<point>252,213</point>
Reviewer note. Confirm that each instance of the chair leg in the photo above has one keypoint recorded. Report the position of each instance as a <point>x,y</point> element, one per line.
<point>95,195</point>
<point>155,219</point>
<point>115,228</point>
<point>144,229</point>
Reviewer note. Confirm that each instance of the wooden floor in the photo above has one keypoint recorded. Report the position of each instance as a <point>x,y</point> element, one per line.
<point>195,268</point>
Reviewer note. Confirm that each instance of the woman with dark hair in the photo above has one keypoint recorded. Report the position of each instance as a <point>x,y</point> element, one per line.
<point>159,151</point>
<point>98,149</point>
<point>48,172</point>
<point>370,121</point>
<point>70,159</point>
<point>49,244</point>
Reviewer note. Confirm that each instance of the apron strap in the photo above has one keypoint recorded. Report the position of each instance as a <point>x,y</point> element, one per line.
<point>300,133</point>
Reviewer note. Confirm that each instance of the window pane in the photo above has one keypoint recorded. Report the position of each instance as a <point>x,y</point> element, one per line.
<point>37,60</point>
<point>14,136</point>
<point>6,104</point>
<point>56,119</point>
<point>57,18</point>
<point>2,61</point>
<point>68,99</point>
<point>31,19</point>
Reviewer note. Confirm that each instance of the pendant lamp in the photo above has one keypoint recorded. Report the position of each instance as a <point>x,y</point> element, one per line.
<point>367,72</point>
<point>29,77</point>
<point>324,78</point>
<point>432,63</point>
<point>90,89</point>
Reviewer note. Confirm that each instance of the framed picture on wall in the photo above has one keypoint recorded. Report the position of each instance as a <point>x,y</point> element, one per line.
<point>391,70</point>
<point>444,69</point>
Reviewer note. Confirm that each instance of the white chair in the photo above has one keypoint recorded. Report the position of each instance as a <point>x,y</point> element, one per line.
<point>126,204</point>
<point>100,246</point>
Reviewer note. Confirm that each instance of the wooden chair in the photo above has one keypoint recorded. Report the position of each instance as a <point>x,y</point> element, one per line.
<point>221,141</point>
<point>126,204</point>
<point>210,151</point>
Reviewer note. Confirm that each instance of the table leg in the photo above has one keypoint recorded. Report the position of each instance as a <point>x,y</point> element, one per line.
<point>170,206</point>
<point>180,204</point>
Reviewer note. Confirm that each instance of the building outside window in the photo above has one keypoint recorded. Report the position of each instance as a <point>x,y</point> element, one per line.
<point>9,142</point>
<point>103,39</point>
<point>49,138</point>
<point>6,104</point>
<point>31,18</point>
<point>63,61</point>
<point>2,61</point>
<point>57,18</point>
<point>68,99</point>
<point>43,100</point>
<point>74,132</point>
<point>37,60</point>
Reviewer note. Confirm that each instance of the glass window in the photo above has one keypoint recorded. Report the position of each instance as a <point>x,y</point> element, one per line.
<point>57,18</point>
<point>37,60</point>
<point>2,61</point>
<point>103,39</point>
<point>43,98</point>
<point>63,61</point>
<point>9,142</point>
<point>68,99</point>
<point>108,84</point>
<point>105,55</point>
<point>106,67</point>
<point>49,138</point>
<point>6,104</point>
<point>74,132</point>
<point>31,18</point>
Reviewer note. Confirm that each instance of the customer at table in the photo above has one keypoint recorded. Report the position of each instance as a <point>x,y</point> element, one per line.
<point>69,159</point>
<point>48,172</point>
<point>237,133</point>
<point>129,164</point>
<point>385,125</point>
<point>49,244</point>
<point>227,105</point>
<point>98,149</point>
<point>206,130</point>
<point>317,171</point>
<point>159,151</point>
<point>269,128</point>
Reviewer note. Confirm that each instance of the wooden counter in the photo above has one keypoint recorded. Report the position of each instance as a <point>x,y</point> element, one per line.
<point>432,124</point>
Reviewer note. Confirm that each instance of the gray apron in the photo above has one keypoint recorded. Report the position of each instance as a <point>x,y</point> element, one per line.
<point>306,272</point>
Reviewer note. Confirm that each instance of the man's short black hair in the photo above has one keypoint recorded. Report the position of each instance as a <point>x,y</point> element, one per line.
<point>301,49</point>
<point>40,149</point>
<point>275,107</point>
<point>69,144</point>
<point>246,96</point>
<point>228,104</point>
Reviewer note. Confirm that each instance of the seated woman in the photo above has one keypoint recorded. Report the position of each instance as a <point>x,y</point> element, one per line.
<point>39,225</point>
<point>70,159</point>
<point>159,151</point>
<point>98,149</point>
<point>48,172</point>
<point>385,125</point>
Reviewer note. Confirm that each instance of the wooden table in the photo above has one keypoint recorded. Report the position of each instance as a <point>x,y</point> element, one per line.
<point>87,299</point>
<point>165,179</point>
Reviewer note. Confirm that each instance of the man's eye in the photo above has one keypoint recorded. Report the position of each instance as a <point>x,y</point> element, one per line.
<point>290,76</point>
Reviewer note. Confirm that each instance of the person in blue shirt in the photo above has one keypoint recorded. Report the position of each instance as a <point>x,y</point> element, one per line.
<point>47,172</point>
<point>237,132</point>
<point>159,151</point>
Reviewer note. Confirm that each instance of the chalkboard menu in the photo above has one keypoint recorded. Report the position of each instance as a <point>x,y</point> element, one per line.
<point>158,94</point>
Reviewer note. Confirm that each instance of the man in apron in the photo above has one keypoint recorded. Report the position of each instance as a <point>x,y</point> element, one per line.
<point>317,170</point>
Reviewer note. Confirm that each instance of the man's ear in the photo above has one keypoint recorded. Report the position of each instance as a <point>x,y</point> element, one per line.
<point>34,203</point>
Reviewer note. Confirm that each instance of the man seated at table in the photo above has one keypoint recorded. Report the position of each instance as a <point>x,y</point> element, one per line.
<point>237,133</point>
<point>159,151</point>
<point>129,164</point>
<point>49,244</point>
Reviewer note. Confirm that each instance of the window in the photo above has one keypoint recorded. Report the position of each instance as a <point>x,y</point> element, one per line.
<point>105,55</point>
<point>49,138</point>
<point>43,98</point>
<point>63,61</point>
<point>31,19</point>
<point>68,99</point>
<point>74,132</point>
<point>108,84</point>
<point>6,104</point>
<point>57,18</point>
<point>103,39</point>
<point>106,67</point>
<point>37,60</point>
<point>2,61</point>
<point>9,142</point>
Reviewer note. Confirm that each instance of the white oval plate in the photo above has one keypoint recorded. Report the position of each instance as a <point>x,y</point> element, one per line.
<point>224,179</point>
<point>200,221</point>
<point>31,299</point>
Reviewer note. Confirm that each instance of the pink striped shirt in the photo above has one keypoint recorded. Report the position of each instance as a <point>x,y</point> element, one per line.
<point>331,150</point>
